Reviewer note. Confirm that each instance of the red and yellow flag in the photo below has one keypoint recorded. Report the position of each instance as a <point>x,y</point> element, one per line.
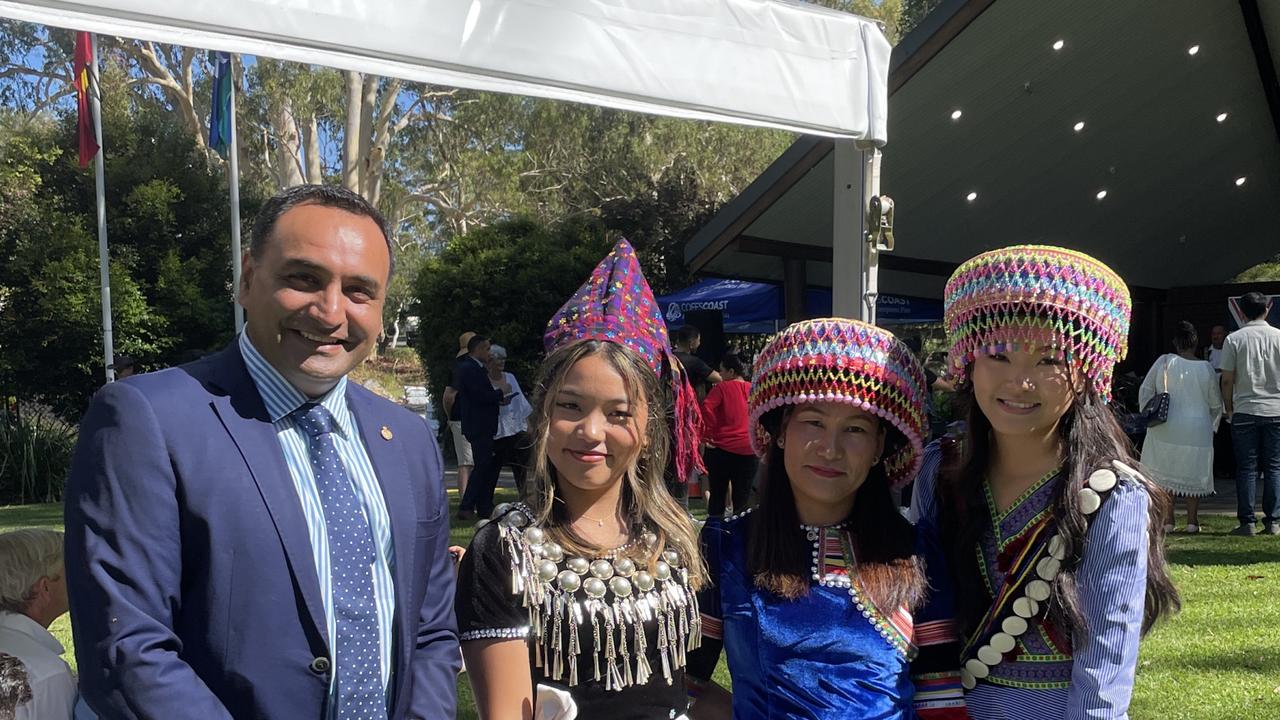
<point>83,59</point>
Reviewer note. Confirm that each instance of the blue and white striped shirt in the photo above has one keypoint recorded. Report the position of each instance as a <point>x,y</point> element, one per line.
<point>280,399</point>
<point>1111,581</point>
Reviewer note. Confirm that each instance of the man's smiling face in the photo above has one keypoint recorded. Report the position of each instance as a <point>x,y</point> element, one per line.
<point>313,298</point>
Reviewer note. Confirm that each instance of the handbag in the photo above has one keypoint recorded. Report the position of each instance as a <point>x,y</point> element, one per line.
<point>1156,411</point>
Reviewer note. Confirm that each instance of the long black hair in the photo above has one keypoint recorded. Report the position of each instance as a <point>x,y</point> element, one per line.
<point>779,555</point>
<point>1091,438</point>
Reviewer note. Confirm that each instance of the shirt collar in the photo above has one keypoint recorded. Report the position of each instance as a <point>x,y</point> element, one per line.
<point>282,398</point>
<point>20,623</point>
<point>1259,321</point>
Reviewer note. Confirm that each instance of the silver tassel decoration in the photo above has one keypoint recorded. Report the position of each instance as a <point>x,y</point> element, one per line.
<point>622,642</point>
<point>557,667</point>
<point>575,647</point>
<point>663,645</point>
<point>613,681</point>
<point>643,670</point>
<point>595,632</point>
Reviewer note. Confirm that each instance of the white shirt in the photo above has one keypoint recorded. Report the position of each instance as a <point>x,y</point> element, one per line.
<point>1215,358</point>
<point>1253,354</point>
<point>514,416</point>
<point>53,689</point>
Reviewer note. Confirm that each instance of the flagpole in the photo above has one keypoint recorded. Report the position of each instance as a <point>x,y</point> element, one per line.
<point>233,174</point>
<point>104,259</point>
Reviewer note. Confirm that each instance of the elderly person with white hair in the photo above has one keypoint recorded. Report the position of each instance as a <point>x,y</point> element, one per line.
<point>511,441</point>
<point>33,593</point>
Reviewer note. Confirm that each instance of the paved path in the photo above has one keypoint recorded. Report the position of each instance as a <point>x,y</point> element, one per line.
<point>1223,501</point>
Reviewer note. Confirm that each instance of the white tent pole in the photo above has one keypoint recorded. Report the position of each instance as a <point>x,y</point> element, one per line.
<point>847,256</point>
<point>104,258</point>
<point>870,254</point>
<point>233,176</point>
<point>855,263</point>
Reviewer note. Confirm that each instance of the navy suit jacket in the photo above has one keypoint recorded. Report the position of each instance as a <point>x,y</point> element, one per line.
<point>193,589</point>
<point>480,402</point>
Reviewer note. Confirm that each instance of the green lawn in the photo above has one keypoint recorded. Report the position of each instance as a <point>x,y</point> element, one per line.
<point>1219,659</point>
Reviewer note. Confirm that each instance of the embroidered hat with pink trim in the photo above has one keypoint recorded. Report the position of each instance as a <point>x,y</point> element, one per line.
<point>1023,294</point>
<point>616,305</point>
<point>844,361</point>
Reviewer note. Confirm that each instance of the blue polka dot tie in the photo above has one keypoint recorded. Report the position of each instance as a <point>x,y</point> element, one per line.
<point>358,661</point>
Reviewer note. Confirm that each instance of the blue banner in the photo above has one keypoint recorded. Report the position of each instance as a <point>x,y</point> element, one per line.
<point>220,112</point>
<point>752,307</point>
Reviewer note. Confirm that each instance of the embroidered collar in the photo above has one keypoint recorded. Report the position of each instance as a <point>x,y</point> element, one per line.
<point>614,593</point>
<point>833,564</point>
<point>1029,582</point>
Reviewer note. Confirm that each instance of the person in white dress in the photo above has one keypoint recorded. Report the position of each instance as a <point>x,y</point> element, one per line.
<point>1179,452</point>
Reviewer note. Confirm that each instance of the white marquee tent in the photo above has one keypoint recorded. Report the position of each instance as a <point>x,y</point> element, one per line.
<point>778,64</point>
<point>769,63</point>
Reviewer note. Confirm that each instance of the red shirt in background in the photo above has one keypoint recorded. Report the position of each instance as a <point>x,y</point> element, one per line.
<point>724,417</point>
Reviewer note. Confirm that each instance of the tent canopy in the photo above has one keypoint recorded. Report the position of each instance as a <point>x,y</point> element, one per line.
<point>1040,131</point>
<point>753,307</point>
<point>810,69</point>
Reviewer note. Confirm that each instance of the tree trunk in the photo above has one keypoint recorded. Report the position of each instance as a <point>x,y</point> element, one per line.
<point>365,133</point>
<point>312,136</point>
<point>288,145</point>
<point>351,159</point>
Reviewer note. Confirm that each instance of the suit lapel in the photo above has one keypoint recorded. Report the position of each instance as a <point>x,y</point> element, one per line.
<point>245,418</point>
<point>392,470</point>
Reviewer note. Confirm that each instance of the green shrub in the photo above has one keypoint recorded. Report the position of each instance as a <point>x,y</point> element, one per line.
<point>35,456</point>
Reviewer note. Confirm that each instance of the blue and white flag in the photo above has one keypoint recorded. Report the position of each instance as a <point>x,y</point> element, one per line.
<point>220,114</point>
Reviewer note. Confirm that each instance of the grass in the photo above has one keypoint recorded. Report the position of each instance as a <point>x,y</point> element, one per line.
<point>1219,659</point>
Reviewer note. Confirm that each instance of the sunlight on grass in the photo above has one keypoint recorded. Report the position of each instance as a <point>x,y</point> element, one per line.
<point>1219,658</point>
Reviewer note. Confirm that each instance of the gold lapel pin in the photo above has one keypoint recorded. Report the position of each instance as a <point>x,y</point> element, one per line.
<point>386,433</point>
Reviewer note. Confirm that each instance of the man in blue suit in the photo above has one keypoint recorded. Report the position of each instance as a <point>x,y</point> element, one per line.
<point>253,536</point>
<point>480,402</point>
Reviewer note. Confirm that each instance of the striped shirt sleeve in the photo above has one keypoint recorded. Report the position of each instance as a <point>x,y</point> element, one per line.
<point>936,669</point>
<point>702,661</point>
<point>1112,583</point>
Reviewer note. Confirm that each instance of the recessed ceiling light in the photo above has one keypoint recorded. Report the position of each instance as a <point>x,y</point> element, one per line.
<point>1240,180</point>
<point>1101,194</point>
<point>1057,45</point>
<point>971,196</point>
<point>1078,126</point>
<point>955,114</point>
<point>1222,117</point>
<point>1193,50</point>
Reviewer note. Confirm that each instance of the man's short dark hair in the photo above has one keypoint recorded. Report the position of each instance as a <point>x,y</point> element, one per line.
<point>1253,305</point>
<point>122,361</point>
<point>334,196</point>
<point>476,341</point>
<point>686,334</point>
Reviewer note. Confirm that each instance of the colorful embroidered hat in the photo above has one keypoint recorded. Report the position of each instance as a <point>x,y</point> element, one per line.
<point>1018,294</point>
<point>615,304</point>
<point>844,361</point>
